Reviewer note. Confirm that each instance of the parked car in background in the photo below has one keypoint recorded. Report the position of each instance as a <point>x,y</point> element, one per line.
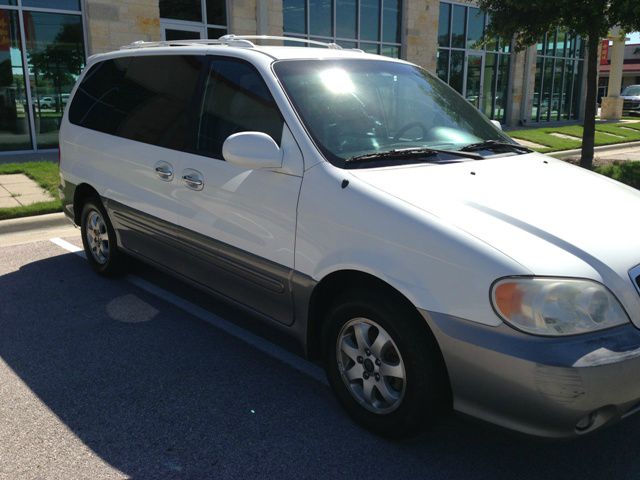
<point>362,206</point>
<point>47,102</point>
<point>631,97</point>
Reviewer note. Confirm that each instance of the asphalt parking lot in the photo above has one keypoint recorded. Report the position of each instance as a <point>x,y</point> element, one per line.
<point>141,377</point>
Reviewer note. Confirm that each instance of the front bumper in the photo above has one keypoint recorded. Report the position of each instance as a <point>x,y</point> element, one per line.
<point>631,106</point>
<point>549,387</point>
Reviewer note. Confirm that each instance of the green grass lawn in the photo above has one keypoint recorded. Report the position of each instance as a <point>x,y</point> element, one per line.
<point>620,133</point>
<point>43,173</point>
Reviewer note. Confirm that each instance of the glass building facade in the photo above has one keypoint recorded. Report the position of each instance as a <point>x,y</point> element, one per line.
<point>193,19</point>
<point>371,25</point>
<point>559,71</point>
<point>476,69</point>
<point>42,53</point>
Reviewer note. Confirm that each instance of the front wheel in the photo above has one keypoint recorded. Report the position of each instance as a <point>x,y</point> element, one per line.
<point>384,365</point>
<point>99,239</point>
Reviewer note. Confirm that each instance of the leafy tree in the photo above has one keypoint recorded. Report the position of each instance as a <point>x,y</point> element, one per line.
<point>527,21</point>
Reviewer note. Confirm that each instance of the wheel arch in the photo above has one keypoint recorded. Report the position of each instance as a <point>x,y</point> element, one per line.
<point>328,288</point>
<point>81,194</point>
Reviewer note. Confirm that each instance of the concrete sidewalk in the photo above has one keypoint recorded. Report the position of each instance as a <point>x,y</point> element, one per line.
<point>624,152</point>
<point>18,190</point>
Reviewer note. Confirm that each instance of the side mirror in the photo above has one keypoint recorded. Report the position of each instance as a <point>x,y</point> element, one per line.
<point>497,124</point>
<point>252,150</point>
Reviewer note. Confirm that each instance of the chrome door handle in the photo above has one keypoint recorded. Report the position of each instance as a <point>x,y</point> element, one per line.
<point>193,179</point>
<point>164,171</point>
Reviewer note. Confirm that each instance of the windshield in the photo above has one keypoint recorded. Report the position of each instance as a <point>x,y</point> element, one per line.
<point>360,107</point>
<point>631,91</point>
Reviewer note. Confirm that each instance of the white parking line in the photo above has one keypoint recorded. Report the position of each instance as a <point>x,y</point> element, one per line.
<point>251,339</point>
<point>69,247</point>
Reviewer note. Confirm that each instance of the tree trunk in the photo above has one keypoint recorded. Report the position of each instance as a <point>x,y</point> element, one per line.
<point>589,134</point>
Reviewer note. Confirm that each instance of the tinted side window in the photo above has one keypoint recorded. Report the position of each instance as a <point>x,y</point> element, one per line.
<point>92,105</point>
<point>236,99</point>
<point>148,99</point>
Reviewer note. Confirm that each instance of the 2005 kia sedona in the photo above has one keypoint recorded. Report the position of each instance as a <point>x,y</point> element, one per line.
<point>361,205</point>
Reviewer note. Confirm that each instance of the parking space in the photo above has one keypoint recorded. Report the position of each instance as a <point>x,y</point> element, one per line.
<point>141,377</point>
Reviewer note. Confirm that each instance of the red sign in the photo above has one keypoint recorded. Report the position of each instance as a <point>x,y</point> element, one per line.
<point>5,32</point>
<point>604,53</point>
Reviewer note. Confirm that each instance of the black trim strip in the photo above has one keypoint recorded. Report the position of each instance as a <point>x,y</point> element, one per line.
<point>259,271</point>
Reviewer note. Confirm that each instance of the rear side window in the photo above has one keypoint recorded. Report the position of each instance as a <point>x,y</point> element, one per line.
<point>147,98</point>
<point>236,99</point>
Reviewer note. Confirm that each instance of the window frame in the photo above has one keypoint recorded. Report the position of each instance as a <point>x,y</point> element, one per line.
<point>204,25</point>
<point>501,49</point>
<point>574,54</point>
<point>196,101</point>
<point>30,96</point>
<point>203,84</point>
<point>192,109</point>
<point>359,42</point>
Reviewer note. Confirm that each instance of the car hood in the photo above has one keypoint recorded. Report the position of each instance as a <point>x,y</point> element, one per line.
<point>551,217</point>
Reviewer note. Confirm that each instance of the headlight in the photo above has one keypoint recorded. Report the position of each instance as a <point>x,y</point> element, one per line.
<point>556,306</point>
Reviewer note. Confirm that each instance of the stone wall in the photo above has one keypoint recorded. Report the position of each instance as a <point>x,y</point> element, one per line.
<point>242,17</point>
<point>275,17</point>
<point>114,23</point>
<point>523,74</point>
<point>420,32</point>
<point>251,17</point>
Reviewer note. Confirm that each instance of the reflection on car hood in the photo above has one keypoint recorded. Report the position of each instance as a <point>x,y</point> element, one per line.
<point>551,217</point>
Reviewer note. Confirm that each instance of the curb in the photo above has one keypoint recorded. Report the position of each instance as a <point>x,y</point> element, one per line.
<point>603,148</point>
<point>22,224</point>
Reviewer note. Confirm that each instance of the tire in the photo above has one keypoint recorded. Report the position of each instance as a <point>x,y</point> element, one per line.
<point>407,379</point>
<point>99,239</point>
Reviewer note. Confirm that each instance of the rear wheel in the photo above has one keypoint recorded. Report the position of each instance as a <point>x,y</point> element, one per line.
<point>99,239</point>
<point>384,364</point>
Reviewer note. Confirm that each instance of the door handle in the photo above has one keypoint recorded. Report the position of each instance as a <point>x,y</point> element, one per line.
<point>164,171</point>
<point>193,179</point>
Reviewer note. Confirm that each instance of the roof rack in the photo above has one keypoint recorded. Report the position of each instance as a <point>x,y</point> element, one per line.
<point>236,38</point>
<point>228,40</point>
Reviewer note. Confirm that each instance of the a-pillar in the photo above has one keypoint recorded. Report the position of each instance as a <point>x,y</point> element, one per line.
<point>612,103</point>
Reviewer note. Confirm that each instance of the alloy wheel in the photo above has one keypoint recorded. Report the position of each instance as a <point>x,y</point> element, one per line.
<point>371,365</point>
<point>97,237</point>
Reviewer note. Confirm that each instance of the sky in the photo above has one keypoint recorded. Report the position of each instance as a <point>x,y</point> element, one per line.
<point>634,37</point>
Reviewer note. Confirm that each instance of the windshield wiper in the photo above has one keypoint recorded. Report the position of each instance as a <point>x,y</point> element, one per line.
<point>404,153</point>
<point>494,145</point>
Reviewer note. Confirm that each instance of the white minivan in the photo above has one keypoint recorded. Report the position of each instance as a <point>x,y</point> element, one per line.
<point>363,207</point>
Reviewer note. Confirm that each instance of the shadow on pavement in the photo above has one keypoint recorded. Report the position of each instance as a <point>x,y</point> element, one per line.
<point>157,393</point>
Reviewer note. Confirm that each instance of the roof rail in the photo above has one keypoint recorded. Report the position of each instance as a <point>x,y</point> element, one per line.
<point>169,43</point>
<point>229,40</point>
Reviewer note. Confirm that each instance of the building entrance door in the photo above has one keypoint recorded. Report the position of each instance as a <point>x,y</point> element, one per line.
<point>474,78</point>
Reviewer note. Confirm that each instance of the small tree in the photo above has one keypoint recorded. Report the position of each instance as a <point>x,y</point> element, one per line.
<point>527,21</point>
